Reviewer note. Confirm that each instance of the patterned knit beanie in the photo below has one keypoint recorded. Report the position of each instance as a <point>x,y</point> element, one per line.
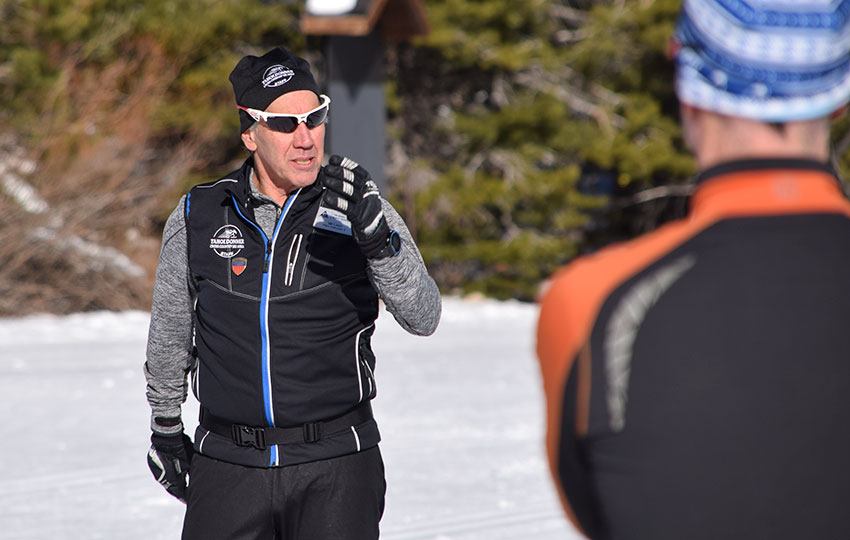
<point>768,60</point>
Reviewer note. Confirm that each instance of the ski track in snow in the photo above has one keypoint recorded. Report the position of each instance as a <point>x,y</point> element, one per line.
<point>460,413</point>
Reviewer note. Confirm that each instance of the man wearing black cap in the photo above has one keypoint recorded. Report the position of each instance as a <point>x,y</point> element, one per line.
<point>267,293</point>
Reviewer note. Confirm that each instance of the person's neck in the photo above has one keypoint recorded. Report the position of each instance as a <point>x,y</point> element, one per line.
<point>718,139</point>
<point>268,187</point>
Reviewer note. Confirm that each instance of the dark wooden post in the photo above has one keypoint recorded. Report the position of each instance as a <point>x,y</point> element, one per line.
<point>354,48</point>
<point>357,121</point>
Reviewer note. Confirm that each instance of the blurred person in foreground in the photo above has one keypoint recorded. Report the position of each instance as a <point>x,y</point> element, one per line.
<point>697,378</point>
<point>267,293</point>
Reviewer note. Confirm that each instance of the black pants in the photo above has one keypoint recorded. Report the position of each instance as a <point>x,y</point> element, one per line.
<point>333,499</point>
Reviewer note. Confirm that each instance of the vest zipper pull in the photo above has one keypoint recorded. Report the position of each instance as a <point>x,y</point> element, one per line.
<point>268,255</point>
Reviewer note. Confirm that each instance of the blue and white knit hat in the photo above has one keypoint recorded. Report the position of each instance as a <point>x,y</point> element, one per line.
<point>768,60</point>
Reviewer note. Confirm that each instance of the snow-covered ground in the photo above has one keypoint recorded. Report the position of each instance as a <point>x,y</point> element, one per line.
<point>461,415</point>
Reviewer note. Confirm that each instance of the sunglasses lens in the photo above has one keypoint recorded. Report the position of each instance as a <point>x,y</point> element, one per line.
<point>286,124</point>
<point>317,118</point>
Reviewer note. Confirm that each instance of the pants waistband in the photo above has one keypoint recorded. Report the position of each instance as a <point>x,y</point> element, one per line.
<point>262,437</point>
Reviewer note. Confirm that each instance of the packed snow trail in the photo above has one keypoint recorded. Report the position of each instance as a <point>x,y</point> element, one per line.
<point>461,415</point>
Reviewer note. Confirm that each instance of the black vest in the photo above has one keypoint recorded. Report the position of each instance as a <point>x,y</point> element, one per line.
<point>282,323</point>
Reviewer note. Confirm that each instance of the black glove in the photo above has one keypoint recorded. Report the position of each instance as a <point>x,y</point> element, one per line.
<point>351,190</point>
<point>169,458</point>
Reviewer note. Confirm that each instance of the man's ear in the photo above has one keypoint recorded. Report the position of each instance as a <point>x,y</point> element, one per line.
<point>687,111</point>
<point>248,139</point>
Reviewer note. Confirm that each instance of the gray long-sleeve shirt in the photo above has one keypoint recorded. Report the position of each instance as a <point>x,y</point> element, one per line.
<point>402,282</point>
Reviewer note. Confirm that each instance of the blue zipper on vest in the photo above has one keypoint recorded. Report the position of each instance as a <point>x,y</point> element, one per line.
<point>264,313</point>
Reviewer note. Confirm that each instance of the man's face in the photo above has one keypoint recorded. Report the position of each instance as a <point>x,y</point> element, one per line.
<point>289,160</point>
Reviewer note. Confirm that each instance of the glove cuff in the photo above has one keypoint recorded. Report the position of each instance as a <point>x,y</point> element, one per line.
<point>160,440</point>
<point>166,425</point>
<point>392,247</point>
<point>372,245</point>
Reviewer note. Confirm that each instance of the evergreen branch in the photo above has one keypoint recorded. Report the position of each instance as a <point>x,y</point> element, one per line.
<point>660,192</point>
<point>541,81</point>
<point>566,13</point>
<point>564,36</point>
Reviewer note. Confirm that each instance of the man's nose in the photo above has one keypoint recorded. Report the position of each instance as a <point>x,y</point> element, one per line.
<point>303,138</point>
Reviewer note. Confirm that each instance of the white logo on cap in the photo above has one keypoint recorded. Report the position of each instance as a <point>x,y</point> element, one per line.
<point>276,76</point>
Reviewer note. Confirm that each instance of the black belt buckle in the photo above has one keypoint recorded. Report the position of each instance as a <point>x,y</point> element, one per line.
<point>249,436</point>
<point>311,432</point>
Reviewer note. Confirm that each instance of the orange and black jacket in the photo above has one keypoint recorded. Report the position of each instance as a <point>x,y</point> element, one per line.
<point>698,378</point>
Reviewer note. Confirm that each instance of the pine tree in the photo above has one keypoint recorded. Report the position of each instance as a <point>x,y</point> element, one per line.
<point>545,110</point>
<point>121,103</point>
<point>522,133</point>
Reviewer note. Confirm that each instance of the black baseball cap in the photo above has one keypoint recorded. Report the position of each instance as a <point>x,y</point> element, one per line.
<point>259,80</point>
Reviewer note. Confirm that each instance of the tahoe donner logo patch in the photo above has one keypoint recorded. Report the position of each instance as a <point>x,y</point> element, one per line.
<point>276,76</point>
<point>227,241</point>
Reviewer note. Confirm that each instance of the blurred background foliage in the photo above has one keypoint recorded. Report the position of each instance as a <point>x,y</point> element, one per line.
<point>520,134</point>
<point>547,111</point>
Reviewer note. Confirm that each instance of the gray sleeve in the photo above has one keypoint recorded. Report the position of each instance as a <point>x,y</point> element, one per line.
<point>169,350</point>
<point>403,282</point>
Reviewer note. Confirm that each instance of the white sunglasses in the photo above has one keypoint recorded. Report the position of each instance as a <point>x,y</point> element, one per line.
<point>287,123</point>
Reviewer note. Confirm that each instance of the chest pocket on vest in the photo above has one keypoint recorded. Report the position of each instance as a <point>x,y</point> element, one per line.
<point>331,256</point>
